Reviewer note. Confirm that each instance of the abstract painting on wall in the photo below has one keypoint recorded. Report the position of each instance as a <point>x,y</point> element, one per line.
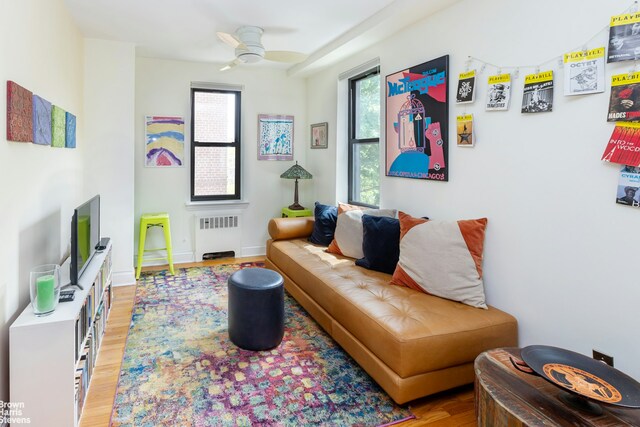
<point>417,121</point>
<point>41,121</point>
<point>164,144</point>
<point>70,131</point>
<point>58,126</point>
<point>19,113</point>
<point>275,137</point>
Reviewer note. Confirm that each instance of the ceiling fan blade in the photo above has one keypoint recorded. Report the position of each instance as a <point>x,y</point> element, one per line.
<point>230,65</point>
<point>229,39</point>
<point>284,56</point>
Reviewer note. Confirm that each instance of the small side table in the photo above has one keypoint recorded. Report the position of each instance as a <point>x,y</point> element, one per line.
<point>507,397</point>
<point>290,213</point>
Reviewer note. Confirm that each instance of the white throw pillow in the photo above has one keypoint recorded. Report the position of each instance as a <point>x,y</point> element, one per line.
<point>347,239</point>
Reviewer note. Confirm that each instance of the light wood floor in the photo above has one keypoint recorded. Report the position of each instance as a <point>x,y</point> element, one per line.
<point>452,408</point>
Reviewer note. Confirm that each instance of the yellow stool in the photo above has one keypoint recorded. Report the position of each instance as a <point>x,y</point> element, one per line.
<point>154,220</point>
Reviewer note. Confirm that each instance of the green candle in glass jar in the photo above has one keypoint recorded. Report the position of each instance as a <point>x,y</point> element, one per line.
<point>45,293</point>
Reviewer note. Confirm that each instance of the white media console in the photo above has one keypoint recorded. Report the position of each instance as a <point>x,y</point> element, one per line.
<point>52,357</point>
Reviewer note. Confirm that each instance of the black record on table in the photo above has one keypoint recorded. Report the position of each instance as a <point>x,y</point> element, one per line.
<point>583,375</point>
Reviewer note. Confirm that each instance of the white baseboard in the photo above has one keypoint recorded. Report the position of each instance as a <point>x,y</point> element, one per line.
<point>123,278</point>
<point>178,258</point>
<point>187,257</point>
<point>254,251</point>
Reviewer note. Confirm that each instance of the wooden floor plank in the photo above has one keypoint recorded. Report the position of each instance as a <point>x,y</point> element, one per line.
<point>451,408</point>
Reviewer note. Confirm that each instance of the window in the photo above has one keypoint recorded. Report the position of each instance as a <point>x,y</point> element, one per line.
<point>364,139</point>
<point>215,144</point>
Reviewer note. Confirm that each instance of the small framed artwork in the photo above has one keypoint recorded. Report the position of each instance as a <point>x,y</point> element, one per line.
<point>275,137</point>
<point>319,135</point>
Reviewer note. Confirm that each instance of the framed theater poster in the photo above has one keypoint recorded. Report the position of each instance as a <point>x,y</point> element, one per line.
<point>417,121</point>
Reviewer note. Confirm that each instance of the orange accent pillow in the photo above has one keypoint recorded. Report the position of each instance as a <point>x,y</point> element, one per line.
<point>442,258</point>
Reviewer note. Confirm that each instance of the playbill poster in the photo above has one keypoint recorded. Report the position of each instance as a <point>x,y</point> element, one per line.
<point>629,186</point>
<point>624,38</point>
<point>624,103</point>
<point>416,122</point>
<point>624,145</point>
<point>464,130</point>
<point>584,72</point>
<point>499,92</point>
<point>466,87</point>
<point>538,93</point>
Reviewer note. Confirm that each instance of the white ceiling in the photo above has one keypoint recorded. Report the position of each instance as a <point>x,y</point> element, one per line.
<point>186,29</point>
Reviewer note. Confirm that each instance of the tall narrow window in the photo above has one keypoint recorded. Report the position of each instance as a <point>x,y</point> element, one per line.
<point>215,144</point>
<point>364,139</point>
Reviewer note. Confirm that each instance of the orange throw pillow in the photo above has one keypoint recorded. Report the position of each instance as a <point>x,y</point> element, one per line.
<point>442,258</point>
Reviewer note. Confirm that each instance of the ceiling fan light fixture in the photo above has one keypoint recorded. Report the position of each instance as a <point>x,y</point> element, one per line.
<point>249,58</point>
<point>250,54</point>
<point>249,49</point>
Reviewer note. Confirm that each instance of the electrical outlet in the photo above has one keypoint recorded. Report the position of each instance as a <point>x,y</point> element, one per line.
<point>603,357</point>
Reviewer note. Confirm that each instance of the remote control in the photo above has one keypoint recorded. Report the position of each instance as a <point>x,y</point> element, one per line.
<point>67,295</point>
<point>103,244</point>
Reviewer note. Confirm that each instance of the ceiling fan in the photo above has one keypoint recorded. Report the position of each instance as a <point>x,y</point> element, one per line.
<point>249,49</point>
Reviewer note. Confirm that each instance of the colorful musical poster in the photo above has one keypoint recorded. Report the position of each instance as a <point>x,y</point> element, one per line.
<point>417,124</point>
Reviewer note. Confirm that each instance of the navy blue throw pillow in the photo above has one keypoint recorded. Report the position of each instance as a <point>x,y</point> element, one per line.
<point>380,243</point>
<point>324,226</point>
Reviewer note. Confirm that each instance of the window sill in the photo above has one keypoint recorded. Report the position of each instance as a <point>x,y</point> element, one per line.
<point>216,205</point>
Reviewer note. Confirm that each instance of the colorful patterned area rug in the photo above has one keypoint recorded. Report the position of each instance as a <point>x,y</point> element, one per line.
<point>180,369</point>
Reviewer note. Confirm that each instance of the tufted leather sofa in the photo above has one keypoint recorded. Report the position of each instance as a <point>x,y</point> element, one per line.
<point>411,343</point>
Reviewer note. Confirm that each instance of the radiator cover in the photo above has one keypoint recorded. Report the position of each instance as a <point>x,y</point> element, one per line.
<point>220,232</point>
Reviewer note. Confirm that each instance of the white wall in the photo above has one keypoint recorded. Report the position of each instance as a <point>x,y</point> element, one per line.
<point>109,100</point>
<point>560,255</point>
<point>163,88</point>
<point>41,51</point>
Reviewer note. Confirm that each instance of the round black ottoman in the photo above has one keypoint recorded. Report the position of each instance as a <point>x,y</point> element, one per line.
<point>256,308</point>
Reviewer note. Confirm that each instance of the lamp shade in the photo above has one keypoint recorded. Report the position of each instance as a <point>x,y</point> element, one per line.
<point>296,172</point>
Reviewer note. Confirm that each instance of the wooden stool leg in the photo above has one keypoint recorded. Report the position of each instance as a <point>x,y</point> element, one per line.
<point>167,239</point>
<point>143,234</point>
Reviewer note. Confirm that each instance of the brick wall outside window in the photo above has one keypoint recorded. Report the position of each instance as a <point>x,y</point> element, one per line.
<point>214,123</point>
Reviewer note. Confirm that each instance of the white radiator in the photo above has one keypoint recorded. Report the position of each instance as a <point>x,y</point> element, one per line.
<point>221,232</point>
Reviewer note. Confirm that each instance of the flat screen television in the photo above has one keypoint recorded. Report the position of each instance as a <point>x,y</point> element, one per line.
<point>85,236</point>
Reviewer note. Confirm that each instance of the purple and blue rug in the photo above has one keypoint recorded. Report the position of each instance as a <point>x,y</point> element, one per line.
<point>180,369</point>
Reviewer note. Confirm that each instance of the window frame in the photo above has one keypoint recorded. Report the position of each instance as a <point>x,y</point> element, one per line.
<point>352,140</point>
<point>236,144</point>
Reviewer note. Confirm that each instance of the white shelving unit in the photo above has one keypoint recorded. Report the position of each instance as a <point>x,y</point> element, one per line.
<point>48,353</point>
